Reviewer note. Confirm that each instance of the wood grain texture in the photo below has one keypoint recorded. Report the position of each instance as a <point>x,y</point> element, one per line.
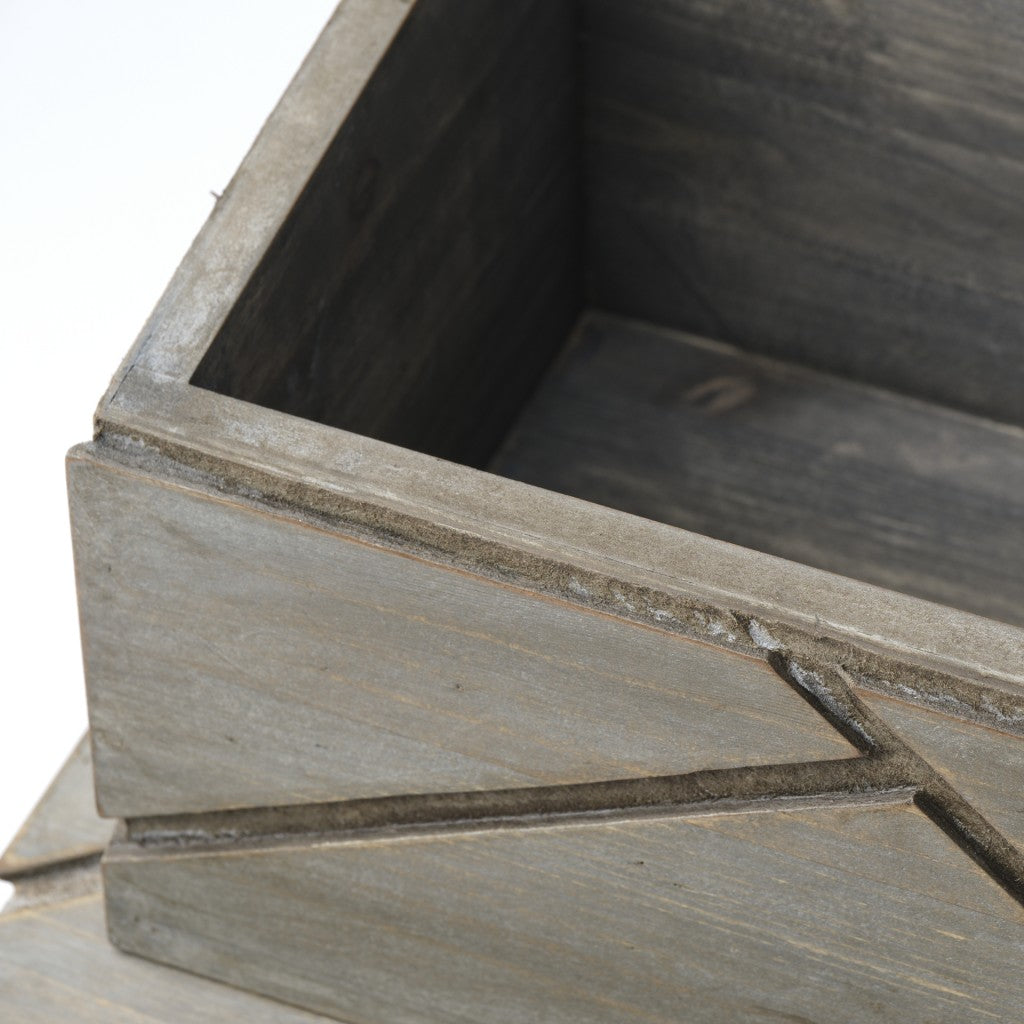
<point>56,962</point>
<point>238,657</point>
<point>64,825</point>
<point>429,271</point>
<point>500,528</point>
<point>847,478</point>
<point>833,183</point>
<point>853,915</point>
<point>985,765</point>
<point>57,965</point>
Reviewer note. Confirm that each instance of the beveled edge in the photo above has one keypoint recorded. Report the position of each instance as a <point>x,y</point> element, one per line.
<point>412,498</point>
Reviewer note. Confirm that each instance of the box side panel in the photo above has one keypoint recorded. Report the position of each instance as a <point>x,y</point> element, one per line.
<point>237,657</point>
<point>833,183</point>
<point>428,272</point>
<point>793,916</point>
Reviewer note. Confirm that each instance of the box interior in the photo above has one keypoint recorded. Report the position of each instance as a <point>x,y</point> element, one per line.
<point>748,269</point>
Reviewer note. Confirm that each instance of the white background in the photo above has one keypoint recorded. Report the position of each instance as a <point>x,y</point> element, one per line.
<point>117,120</point>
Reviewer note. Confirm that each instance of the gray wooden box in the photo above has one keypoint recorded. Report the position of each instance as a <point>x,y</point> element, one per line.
<point>572,412</point>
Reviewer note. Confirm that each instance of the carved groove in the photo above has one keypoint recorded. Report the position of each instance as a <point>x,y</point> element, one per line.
<point>889,771</point>
<point>764,787</point>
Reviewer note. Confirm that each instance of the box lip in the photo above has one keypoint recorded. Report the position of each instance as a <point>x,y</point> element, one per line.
<point>150,400</point>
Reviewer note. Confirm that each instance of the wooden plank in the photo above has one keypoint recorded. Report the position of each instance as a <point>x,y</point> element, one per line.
<point>429,271</point>
<point>836,184</point>
<point>844,477</point>
<point>64,825</point>
<point>849,915</point>
<point>984,764</point>
<point>56,964</point>
<point>236,656</point>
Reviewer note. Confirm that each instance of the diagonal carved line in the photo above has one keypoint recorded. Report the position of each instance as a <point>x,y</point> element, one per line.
<point>973,833</point>
<point>891,772</point>
<point>854,781</point>
<point>828,693</point>
<point>828,690</point>
<point>953,813</point>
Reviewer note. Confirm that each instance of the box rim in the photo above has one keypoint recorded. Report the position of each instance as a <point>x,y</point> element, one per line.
<point>150,400</point>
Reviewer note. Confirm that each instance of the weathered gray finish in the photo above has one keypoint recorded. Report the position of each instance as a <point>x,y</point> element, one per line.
<point>400,877</point>
<point>886,770</point>
<point>64,825</point>
<point>985,764</point>
<point>426,713</point>
<point>541,540</point>
<point>56,962</point>
<point>238,658</point>
<point>829,915</point>
<point>833,183</point>
<point>58,967</point>
<point>439,233</point>
<point>848,478</point>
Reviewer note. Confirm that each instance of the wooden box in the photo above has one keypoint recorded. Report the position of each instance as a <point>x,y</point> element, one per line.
<point>577,418</point>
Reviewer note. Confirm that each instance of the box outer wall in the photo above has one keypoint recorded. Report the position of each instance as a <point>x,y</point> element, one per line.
<point>154,429</point>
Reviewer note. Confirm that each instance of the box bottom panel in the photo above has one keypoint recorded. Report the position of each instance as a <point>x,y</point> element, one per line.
<point>837,475</point>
